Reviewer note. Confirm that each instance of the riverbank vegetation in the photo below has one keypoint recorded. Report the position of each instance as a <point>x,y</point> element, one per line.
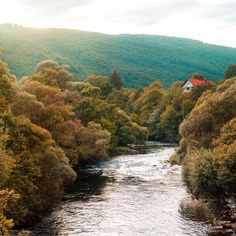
<point>208,144</point>
<point>50,123</point>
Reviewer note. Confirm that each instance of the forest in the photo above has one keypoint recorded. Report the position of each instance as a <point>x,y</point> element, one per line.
<point>142,59</point>
<point>50,123</point>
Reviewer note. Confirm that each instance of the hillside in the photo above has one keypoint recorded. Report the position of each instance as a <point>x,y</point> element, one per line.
<point>141,59</point>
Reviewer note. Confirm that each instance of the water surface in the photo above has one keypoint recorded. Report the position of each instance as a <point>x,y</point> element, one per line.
<point>136,195</point>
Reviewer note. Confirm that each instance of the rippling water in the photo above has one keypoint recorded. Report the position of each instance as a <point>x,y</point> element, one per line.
<point>136,195</point>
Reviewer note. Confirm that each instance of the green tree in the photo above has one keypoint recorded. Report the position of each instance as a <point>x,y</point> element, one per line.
<point>170,120</point>
<point>116,80</point>
<point>230,71</point>
<point>119,98</point>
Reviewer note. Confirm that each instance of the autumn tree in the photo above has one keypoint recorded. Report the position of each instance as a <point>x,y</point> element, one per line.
<point>102,83</point>
<point>208,147</point>
<point>93,142</point>
<point>53,74</point>
<point>7,88</point>
<point>47,109</point>
<point>210,173</point>
<point>40,171</point>
<point>198,76</point>
<point>7,198</point>
<point>45,65</point>
<point>49,124</point>
<point>28,105</point>
<point>91,91</point>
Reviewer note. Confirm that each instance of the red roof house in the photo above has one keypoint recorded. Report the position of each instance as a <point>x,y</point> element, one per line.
<point>193,82</point>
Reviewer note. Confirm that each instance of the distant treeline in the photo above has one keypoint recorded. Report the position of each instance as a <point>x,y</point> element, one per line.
<point>142,59</point>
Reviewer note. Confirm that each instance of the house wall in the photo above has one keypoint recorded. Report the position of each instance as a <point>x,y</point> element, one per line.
<point>187,87</point>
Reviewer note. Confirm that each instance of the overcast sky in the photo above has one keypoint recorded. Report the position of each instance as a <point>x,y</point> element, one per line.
<point>211,21</point>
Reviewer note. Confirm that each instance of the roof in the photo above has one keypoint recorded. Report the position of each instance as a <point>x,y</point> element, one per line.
<point>196,81</point>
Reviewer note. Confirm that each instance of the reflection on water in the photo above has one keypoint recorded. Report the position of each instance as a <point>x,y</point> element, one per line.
<point>195,210</point>
<point>135,195</point>
<point>84,189</point>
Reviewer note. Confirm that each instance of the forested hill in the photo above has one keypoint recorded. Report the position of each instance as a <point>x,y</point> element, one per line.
<point>141,59</point>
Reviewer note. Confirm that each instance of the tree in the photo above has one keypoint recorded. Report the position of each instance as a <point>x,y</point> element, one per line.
<point>119,98</point>
<point>27,104</point>
<point>102,83</point>
<point>6,198</point>
<point>89,109</point>
<point>148,101</point>
<point>224,155</point>
<point>7,163</point>
<point>210,173</point>
<point>170,120</point>
<point>7,88</point>
<point>53,74</point>
<point>198,76</point>
<point>116,80</point>
<point>230,71</point>
<point>40,171</point>
<point>91,91</point>
<point>45,94</point>
<point>212,111</point>
<point>66,135</point>
<point>93,142</point>
<point>45,65</point>
<point>127,131</point>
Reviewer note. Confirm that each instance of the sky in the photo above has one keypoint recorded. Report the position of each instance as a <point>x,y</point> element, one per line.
<point>211,21</point>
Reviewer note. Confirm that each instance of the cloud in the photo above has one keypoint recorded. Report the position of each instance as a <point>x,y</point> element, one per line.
<point>130,12</point>
<point>221,11</point>
<point>53,7</point>
<point>156,11</point>
<point>143,11</point>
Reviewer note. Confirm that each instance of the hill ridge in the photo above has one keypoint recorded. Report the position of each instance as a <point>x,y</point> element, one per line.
<point>141,59</point>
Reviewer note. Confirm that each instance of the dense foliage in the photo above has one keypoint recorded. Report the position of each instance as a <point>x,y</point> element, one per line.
<point>142,59</point>
<point>162,111</point>
<point>48,125</point>
<point>208,144</point>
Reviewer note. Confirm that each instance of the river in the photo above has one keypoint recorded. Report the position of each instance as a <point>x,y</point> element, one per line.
<point>136,195</point>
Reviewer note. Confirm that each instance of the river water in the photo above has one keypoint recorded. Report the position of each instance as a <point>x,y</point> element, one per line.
<point>136,195</point>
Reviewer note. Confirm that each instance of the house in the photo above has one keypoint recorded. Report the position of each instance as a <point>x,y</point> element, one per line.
<point>196,80</point>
